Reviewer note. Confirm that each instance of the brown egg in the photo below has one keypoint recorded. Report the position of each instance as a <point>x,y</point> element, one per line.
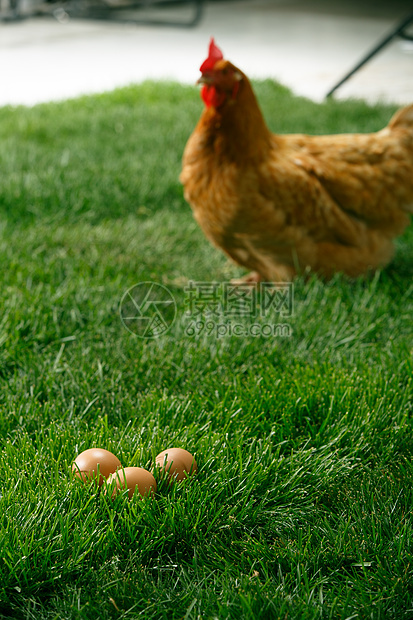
<point>179,463</point>
<point>133,479</point>
<point>87,464</point>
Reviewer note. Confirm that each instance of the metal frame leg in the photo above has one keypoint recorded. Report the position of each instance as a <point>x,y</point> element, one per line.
<point>399,31</point>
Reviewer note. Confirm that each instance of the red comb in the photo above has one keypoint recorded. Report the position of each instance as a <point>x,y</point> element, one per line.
<point>214,54</point>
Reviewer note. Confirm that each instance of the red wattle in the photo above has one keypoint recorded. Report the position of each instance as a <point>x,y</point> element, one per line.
<point>212,97</point>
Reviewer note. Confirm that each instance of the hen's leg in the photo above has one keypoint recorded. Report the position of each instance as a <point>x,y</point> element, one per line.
<point>264,268</point>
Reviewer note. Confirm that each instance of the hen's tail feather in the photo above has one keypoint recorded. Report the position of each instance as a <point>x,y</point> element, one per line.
<point>403,118</point>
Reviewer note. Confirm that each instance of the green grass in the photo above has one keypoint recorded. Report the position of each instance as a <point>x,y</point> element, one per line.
<point>302,507</point>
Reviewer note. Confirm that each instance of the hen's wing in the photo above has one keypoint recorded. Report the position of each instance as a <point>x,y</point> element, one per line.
<point>369,177</point>
<point>333,203</point>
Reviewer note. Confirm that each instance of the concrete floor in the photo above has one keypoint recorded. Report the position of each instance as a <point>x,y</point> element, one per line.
<point>308,48</point>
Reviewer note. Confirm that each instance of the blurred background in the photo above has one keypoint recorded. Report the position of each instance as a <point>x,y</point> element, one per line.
<point>53,51</point>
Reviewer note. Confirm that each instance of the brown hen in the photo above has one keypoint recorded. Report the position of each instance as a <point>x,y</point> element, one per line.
<point>286,204</point>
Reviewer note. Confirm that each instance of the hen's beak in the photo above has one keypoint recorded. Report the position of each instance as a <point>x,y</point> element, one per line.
<point>205,79</point>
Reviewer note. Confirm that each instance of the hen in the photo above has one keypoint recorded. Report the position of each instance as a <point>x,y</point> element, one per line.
<point>286,204</point>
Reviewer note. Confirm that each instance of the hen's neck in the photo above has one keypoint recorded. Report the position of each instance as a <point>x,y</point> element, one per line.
<point>237,131</point>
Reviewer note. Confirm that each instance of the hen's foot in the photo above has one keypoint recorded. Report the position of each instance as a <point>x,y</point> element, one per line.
<point>251,278</point>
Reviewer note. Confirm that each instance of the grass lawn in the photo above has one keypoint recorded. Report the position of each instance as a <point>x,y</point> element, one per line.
<point>302,507</point>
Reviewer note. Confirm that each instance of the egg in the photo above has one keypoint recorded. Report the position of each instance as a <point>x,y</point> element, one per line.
<point>133,479</point>
<point>89,463</point>
<point>177,462</point>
